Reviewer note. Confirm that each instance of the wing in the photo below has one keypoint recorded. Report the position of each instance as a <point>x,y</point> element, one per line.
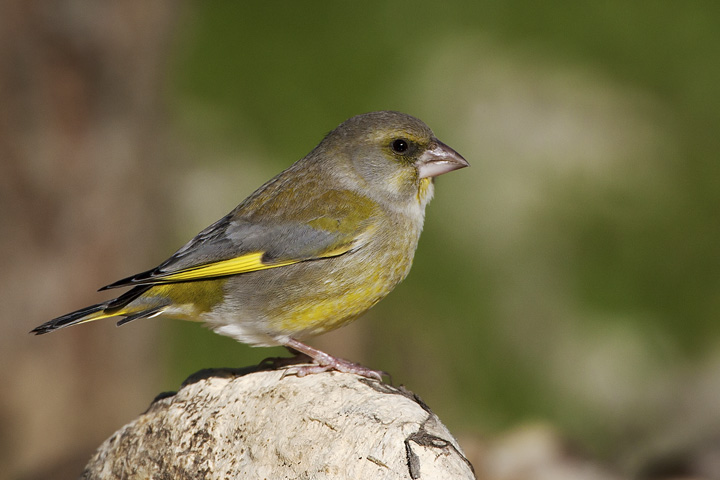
<point>242,242</point>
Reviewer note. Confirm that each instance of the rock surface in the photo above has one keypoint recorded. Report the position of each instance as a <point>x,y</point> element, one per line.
<point>241,424</point>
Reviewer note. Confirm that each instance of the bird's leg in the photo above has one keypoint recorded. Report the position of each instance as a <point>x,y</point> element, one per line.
<point>327,362</point>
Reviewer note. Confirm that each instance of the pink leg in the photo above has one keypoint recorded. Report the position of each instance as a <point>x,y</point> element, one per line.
<point>327,362</point>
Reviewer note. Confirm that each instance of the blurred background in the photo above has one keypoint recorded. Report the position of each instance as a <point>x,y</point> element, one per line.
<point>561,315</point>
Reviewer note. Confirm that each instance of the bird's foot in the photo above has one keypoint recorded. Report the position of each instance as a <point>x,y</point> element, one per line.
<point>323,362</point>
<point>339,365</point>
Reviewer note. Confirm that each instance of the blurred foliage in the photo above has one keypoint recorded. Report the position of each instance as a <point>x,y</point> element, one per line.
<point>634,253</point>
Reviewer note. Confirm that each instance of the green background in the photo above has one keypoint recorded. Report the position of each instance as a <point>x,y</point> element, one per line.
<point>591,294</point>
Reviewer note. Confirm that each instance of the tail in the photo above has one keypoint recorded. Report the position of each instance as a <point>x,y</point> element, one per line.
<point>88,314</point>
<point>111,308</point>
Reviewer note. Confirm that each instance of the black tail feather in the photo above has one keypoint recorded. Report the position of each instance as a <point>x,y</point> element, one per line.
<point>69,319</point>
<point>127,297</point>
<point>115,307</point>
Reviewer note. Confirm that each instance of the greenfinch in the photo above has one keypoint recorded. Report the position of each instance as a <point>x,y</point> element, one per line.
<point>310,251</point>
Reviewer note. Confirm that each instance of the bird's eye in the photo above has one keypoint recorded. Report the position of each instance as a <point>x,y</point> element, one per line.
<point>400,145</point>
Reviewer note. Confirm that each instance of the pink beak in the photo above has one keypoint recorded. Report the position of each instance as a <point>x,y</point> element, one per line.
<point>439,159</point>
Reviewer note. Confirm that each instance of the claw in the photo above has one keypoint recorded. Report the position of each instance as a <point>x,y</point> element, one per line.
<point>323,362</point>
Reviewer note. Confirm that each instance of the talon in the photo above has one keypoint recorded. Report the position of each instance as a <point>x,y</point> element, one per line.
<point>324,362</point>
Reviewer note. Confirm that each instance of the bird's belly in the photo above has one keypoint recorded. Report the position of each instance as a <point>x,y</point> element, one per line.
<point>330,298</point>
<point>306,299</point>
<point>327,308</point>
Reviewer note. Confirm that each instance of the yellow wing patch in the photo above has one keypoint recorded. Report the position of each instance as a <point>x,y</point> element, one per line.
<point>250,262</point>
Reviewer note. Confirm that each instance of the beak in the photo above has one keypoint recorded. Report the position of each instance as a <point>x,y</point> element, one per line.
<point>439,159</point>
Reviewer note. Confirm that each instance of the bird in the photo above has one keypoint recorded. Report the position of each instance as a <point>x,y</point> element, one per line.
<point>309,251</point>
